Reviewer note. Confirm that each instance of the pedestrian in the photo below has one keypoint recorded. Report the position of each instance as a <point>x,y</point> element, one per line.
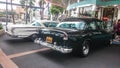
<point>117,31</point>
<point>105,19</point>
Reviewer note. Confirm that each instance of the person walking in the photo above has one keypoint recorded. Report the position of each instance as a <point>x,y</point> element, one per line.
<point>117,31</point>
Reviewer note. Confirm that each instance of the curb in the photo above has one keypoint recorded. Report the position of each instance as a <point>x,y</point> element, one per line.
<point>1,32</point>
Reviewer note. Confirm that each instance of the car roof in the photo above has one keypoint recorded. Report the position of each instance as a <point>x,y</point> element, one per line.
<point>87,20</point>
<point>43,21</point>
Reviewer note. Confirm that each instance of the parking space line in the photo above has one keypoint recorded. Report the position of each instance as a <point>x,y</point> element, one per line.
<point>5,61</point>
<point>28,52</point>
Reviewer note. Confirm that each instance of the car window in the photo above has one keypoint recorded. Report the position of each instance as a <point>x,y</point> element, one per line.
<point>81,25</point>
<point>52,24</point>
<point>67,25</point>
<point>36,24</point>
<point>100,25</point>
<point>92,26</point>
<point>46,23</point>
<point>72,25</point>
<point>108,26</point>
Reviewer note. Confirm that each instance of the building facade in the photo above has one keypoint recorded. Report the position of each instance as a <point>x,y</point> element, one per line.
<point>95,8</point>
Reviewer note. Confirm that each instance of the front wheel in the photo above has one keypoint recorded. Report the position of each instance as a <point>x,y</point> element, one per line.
<point>85,48</point>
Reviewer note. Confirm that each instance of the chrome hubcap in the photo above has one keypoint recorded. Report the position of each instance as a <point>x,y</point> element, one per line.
<point>85,48</point>
<point>110,41</point>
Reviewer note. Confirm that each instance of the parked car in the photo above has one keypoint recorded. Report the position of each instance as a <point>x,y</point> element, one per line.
<point>29,30</point>
<point>75,35</point>
<point>4,24</point>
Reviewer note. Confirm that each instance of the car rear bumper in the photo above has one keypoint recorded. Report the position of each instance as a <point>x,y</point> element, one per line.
<point>53,46</point>
<point>16,36</point>
<point>10,34</point>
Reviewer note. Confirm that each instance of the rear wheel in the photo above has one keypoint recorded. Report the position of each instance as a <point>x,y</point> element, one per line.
<point>33,37</point>
<point>109,43</point>
<point>83,50</point>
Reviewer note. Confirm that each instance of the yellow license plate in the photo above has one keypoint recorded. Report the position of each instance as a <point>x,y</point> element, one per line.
<point>49,39</point>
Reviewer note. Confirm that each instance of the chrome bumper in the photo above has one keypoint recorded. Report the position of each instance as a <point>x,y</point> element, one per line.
<point>16,36</point>
<point>10,34</point>
<point>53,46</point>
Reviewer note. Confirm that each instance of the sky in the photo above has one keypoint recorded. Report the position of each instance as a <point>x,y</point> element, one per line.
<point>3,6</point>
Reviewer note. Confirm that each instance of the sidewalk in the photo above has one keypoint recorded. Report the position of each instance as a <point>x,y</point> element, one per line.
<point>116,42</point>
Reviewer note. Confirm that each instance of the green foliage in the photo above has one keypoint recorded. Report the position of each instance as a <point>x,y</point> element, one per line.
<point>22,2</point>
<point>32,2</point>
<point>9,12</point>
<point>0,26</point>
<point>57,1</point>
<point>29,2</point>
<point>1,14</point>
<point>56,9</point>
<point>41,2</point>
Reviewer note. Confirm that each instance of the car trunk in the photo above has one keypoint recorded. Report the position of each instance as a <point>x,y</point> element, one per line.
<point>55,36</point>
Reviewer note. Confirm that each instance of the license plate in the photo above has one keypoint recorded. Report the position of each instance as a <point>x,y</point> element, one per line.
<point>49,39</point>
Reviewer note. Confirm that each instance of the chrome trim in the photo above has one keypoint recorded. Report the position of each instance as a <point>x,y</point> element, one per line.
<point>61,32</point>
<point>16,36</point>
<point>53,46</point>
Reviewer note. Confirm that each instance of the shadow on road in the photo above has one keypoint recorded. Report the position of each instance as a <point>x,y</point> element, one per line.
<point>9,39</point>
<point>18,40</point>
<point>61,58</point>
<point>56,56</point>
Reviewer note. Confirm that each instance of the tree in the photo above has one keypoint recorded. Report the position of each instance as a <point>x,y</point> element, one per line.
<point>2,14</point>
<point>57,2</point>
<point>13,20</point>
<point>41,4</point>
<point>55,10</point>
<point>28,2</point>
<point>1,26</point>
<point>61,3</point>
<point>25,4</point>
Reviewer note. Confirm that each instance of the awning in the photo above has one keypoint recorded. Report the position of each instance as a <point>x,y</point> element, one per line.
<point>94,2</point>
<point>107,2</point>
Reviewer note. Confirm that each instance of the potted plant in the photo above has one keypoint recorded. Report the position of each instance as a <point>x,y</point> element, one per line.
<point>1,29</point>
<point>0,26</point>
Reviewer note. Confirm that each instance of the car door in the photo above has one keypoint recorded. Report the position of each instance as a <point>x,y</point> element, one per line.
<point>95,33</point>
<point>105,36</point>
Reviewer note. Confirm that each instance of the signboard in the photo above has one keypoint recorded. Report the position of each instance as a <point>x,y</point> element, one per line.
<point>108,0</point>
<point>95,2</point>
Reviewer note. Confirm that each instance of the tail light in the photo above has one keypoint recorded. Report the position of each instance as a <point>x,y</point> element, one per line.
<point>12,30</point>
<point>65,37</point>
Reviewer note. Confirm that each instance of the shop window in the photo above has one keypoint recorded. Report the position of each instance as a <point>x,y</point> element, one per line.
<point>108,12</point>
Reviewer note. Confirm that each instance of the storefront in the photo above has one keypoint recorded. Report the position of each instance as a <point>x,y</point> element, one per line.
<point>83,11</point>
<point>96,8</point>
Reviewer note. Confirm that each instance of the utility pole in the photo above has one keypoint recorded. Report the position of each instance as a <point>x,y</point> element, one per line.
<point>49,11</point>
<point>6,14</point>
<point>41,4</point>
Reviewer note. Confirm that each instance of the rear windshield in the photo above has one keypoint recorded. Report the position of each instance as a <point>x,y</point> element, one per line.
<point>72,25</point>
<point>50,24</point>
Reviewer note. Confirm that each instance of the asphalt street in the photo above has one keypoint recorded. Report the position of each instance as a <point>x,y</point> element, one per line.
<point>101,57</point>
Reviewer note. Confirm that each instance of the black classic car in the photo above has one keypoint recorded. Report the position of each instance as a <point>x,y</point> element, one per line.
<point>75,35</point>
